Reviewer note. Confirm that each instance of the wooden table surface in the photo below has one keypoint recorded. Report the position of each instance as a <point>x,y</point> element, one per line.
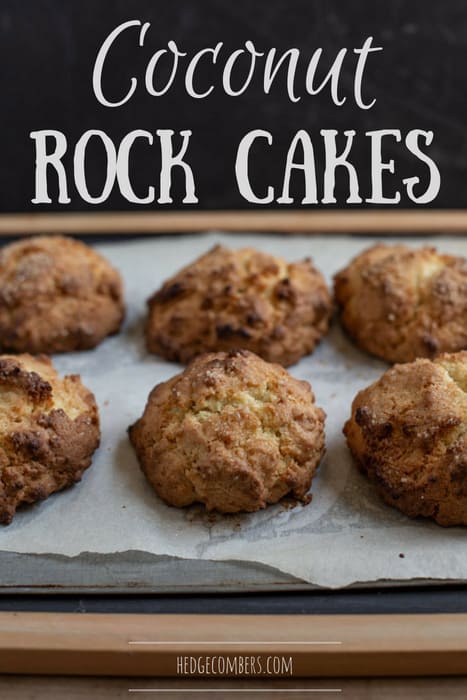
<point>414,221</point>
<point>55,688</point>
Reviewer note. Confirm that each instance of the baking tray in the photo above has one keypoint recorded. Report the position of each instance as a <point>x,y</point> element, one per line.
<point>141,572</point>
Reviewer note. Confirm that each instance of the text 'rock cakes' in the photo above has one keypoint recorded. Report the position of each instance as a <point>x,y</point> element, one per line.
<point>49,429</point>
<point>56,295</point>
<point>400,303</point>
<point>233,432</point>
<point>408,433</point>
<point>231,299</point>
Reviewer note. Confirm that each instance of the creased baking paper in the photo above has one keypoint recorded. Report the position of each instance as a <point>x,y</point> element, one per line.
<point>345,535</point>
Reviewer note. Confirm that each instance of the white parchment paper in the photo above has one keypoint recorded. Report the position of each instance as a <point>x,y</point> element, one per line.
<point>345,535</point>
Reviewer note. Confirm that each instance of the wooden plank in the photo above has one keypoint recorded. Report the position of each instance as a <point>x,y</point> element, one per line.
<point>381,221</point>
<point>320,645</point>
<point>82,688</point>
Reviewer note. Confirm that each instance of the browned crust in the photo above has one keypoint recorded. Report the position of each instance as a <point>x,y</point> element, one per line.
<point>231,431</point>
<point>49,429</point>
<point>56,295</point>
<point>399,304</point>
<point>408,433</point>
<point>239,299</point>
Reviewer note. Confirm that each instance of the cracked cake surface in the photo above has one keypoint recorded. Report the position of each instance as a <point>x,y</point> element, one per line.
<point>231,431</point>
<point>230,299</point>
<point>56,295</point>
<point>408,433</point>
<point>49,429</point>
<point>400,303</point>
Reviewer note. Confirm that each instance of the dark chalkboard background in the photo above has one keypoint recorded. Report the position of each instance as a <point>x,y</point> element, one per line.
<point>48,49</point>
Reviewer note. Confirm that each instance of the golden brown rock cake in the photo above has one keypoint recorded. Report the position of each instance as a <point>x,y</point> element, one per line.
<point>230,299</point>
<point>49,429</point>
<point>231,431</point>
<point>56,295</point>
<point>408,433</point>
<point>400,303</point>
